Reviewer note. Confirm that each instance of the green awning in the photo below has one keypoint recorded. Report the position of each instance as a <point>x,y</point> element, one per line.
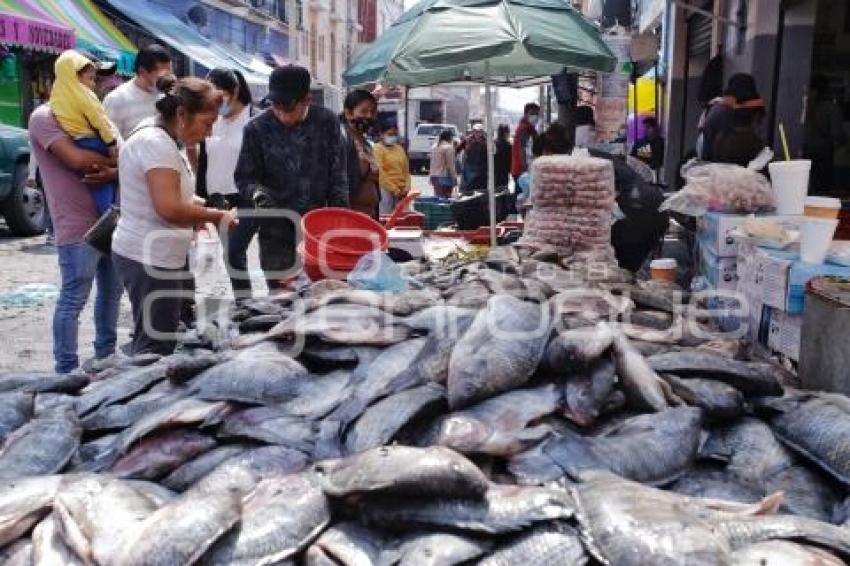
<point>443,41</point>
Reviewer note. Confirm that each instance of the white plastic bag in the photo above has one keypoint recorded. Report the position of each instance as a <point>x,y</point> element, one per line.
<point>720,187</point>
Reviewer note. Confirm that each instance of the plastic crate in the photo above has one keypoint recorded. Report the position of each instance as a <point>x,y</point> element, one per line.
<point>437,211</point>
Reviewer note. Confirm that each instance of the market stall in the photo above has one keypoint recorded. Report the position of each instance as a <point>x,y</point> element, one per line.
<point>497,42</point>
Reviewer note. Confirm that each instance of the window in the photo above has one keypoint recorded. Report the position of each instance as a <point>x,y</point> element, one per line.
<point>299,16</point>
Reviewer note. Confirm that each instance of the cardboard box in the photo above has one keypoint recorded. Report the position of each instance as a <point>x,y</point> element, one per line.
<point>714,232</point>
<point>721,272</point>
<point>780,332</point>
<point>778,278</point>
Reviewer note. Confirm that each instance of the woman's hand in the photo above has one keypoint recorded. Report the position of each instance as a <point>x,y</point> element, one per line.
<point>99,175</point>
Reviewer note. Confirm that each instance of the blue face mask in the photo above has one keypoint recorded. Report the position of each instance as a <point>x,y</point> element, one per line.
<point>224,109</point>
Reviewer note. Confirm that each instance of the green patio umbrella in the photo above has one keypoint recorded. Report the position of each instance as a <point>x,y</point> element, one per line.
<point>504,42</point>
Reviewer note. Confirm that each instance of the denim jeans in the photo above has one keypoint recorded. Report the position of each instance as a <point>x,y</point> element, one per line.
<point>236,250</point>
<point>80,265</point>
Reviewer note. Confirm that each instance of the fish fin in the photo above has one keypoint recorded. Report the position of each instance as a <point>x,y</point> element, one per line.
<point>573,454</point>
<point>766,506</point>
<point>671,397</point>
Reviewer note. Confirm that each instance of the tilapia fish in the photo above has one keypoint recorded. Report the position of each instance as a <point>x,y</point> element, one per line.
<point>241,473</point>
<point>272,425</point>
<point>534,467</point>
<point>23,503</point>
<point>716,484</point>
<point>628,523</point>
<point>160,454</point>
<point>555,543</point>
<point>497,426</point>
<point>196,468</point>
<point>49,548</point>
<point>347,543</point>
<point>281,516</point>
<point>42,446</point>
<point>573,349</point>
<point>587,394</point>
<point>504,509</point>
<point>183,530</point>
<point>16,408</point>
<point>402,470</point>
<point>655,448</point>
<point>818,428</point>
<point>94,514</point>
<point>644,388</point>
<point>749,380</point>
<point>258,381</point>
<point>119,388</point>
<point>345,324</point>
<point>783,553</point>
<point>716,399</point>
<point>751,451</point>
<point>377,379</point>
<point>380,423</point>
<point>439,549</point>
<point>35,382</point>
<point>499,352</point>
<point>19,553</point>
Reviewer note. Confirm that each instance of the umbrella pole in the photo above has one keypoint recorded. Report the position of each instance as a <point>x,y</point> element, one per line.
<point>491,181</point>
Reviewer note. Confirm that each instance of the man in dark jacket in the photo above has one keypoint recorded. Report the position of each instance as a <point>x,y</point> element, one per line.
<point>292,159</point>
<point>650,148</point>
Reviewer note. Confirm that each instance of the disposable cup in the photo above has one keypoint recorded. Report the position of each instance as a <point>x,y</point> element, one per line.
<point>822,207</point>
<point>790,180</point>
<point>663,269</point>
<point>815,238</point>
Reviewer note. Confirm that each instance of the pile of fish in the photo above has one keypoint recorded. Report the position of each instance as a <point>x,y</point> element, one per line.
<point>525,409</point>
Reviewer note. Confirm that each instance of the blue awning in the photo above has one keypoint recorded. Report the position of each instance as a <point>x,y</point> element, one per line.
<point>171,30</point>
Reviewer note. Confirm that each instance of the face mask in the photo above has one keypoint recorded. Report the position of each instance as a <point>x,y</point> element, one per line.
<point>533,118</point>
<point>224,109</point>
<point>361,124</point>
<point>390,140</point>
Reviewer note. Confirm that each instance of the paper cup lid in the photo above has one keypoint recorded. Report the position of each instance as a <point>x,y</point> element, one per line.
<point>823,202</point>
<point>664,263</point>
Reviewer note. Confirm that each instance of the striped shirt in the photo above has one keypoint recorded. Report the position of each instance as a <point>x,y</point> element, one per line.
<point>128,105</point>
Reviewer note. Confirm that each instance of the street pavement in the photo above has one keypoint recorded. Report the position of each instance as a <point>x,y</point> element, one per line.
<point>30,282</point>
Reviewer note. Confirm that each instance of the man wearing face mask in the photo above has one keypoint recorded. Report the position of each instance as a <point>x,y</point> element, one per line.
<point>525,137</point>
<point>291,158</point>
<point>358,117</point>
<point>393,168</point>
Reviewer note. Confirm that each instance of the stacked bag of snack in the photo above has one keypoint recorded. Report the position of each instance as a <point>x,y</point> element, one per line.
<point>573,198</point>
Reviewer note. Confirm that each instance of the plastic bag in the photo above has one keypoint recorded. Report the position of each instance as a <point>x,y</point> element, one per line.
<point>720,187</point>
<point>375,271</point>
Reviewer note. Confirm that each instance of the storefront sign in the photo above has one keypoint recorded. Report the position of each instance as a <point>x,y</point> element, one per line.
<point>15,30</point>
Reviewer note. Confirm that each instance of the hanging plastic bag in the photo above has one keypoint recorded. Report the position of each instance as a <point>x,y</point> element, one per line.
<point>720,187</point>
<point>375,271</point>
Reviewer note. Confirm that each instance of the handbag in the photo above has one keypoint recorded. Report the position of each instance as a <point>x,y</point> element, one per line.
<point>99,236</point>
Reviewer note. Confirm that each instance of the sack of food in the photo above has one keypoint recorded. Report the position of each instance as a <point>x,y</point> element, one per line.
<point>720,187</point>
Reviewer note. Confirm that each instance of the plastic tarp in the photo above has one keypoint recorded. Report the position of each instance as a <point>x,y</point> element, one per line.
<point>442,41</point>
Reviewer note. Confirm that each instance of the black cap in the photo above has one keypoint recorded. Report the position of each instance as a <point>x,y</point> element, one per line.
<point>288,84</point>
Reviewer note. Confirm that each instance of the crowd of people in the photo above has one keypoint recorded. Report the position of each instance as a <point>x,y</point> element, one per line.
<point>190,153</point>
<point>180,155</point>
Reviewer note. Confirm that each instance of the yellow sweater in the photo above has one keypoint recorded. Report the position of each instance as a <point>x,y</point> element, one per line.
<point>76,107</point>
<point>394,168</point>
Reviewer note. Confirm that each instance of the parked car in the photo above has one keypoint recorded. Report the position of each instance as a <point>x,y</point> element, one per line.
<point>23,207</point>
<point>423,139</point>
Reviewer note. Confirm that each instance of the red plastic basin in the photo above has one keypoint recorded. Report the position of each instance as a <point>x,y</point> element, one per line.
<point>317,270</point>
<point>338,234</point>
